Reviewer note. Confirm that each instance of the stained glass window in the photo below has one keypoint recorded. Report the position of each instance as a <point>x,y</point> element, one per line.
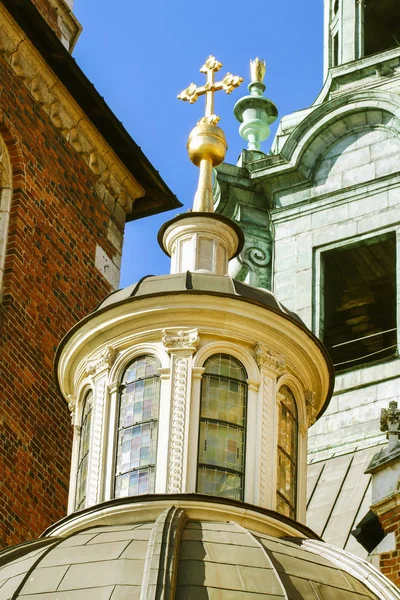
<point>138,428</point>
<point>83,457</point>
<point>222,428</point>
<point>287,454</point>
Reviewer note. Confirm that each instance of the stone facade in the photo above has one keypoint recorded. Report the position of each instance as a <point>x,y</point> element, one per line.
<point>331,183</point>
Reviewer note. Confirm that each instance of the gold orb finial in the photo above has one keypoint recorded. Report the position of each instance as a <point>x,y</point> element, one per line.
<point>207,144</point>
<point>258,68</point>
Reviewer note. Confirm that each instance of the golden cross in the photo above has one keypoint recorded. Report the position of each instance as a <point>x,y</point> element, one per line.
<point>228,84</point>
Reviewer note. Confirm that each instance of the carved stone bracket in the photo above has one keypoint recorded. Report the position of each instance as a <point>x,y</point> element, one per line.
<point>311,410</point>
<point>102,361</point>
<point>180,339</point>
<point>268,359</point>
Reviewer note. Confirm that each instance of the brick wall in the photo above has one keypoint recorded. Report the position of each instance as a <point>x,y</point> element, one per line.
<point>390,561</point>
<point>50,282</point>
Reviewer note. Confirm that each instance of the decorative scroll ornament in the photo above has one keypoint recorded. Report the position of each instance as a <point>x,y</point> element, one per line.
<point>269,359</point>
<point>259,257</point>
<point>311,410</point>
<point>182,339</point>
<point>103,360</point>
<point>177,433</point>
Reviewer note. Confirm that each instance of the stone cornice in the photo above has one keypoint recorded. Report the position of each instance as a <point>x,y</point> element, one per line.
<point>387,504</point>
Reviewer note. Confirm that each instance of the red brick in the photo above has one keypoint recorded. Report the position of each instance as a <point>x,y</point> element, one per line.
<point>50,283</point>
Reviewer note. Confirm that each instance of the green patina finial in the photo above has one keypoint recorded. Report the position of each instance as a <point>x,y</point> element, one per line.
<point>254,112</point>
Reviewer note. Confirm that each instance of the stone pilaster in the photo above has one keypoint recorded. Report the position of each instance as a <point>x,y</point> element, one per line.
<point>98,368</point>
<point>181,344</point>
<point>271,367</point>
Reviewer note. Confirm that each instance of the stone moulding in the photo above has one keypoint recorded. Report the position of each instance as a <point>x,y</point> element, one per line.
<point>65,114</point>
<point>161,564</point>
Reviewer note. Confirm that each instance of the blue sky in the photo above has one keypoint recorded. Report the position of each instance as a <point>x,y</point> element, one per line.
<point>140,55</point>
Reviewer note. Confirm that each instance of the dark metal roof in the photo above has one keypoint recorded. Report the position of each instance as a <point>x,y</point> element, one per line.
<point>158,197</point>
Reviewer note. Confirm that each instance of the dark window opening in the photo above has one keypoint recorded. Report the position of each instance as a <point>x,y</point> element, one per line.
<point>335,51</point>
<point>381,25</point>
<point>359,307</point>
<point>335,7</point>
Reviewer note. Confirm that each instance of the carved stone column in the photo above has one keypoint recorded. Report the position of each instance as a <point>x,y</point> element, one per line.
<point>181,344</point>
<point>271,367</point>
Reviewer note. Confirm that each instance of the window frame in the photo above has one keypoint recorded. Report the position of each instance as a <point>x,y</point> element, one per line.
<point>79,460</point>
<point>120,386</point>
<point>226,423</point>
<point>297,419</point>
<point>318,293</point>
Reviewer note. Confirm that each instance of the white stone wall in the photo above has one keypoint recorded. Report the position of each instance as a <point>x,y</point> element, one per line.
<point>355,195</point>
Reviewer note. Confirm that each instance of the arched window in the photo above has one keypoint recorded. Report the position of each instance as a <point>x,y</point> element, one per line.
<point>84,446</point>
<point>138,428</point>
<point>287,454</point>
<point>222,428</point>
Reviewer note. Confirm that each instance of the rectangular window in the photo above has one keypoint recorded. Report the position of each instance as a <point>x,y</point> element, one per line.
<point>381,25</point>
<point>335,50</point>
<point>359,302</point>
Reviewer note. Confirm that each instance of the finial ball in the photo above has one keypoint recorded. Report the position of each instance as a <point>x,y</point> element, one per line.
<point>207,142</point>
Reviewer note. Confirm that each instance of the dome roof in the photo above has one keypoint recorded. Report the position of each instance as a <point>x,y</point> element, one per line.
<point>178,556</point>
<point>201,283</point>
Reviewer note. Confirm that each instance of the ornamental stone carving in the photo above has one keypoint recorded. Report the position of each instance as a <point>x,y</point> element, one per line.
<point>180,339</point>
<point>66,115</point>
<point>104,360</point>
<point>311,410</point>
<point>178,418</point>
<point>270,360</point>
